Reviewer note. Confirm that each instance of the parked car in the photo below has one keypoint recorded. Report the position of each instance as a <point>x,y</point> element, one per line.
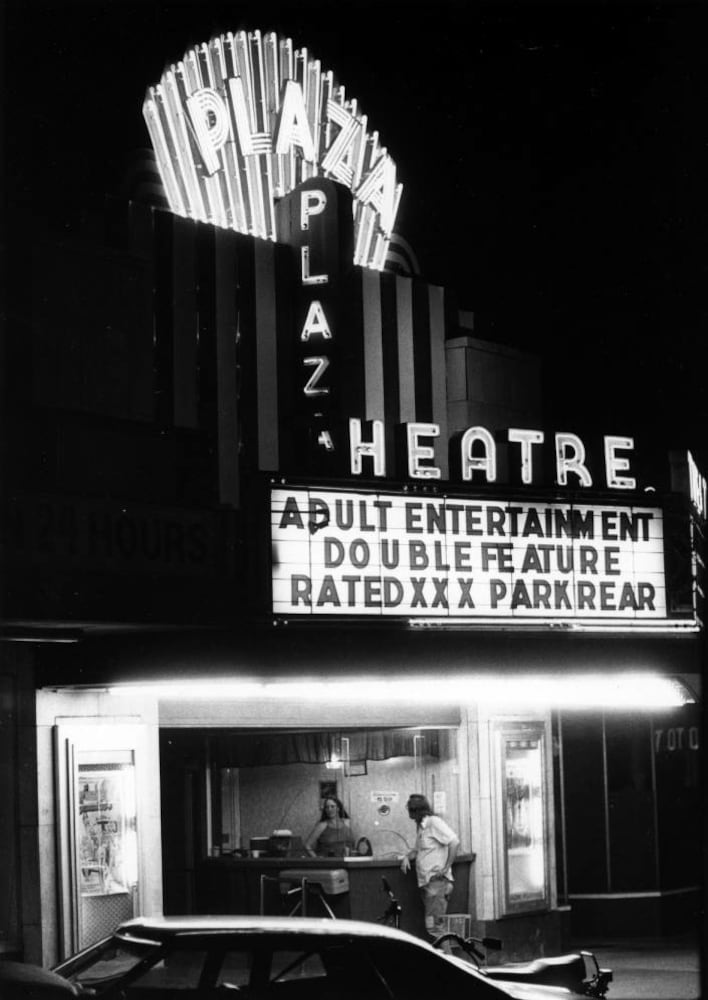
<point>264,958</point>
<point>19,981</point>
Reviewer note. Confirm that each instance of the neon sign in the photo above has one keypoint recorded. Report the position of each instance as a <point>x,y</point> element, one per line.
<point>243,120</point>
<point>478,454</point>
<point>697,487</point>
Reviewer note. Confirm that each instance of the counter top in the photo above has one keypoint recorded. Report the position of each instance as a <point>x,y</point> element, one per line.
<point>355,861</point>
<point>229,884</point>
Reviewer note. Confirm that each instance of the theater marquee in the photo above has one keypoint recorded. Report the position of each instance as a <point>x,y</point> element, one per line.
<point>349,553</point>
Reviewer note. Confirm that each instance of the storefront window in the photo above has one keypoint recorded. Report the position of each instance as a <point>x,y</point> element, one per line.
<point>277,781</point>
<point>522,811</point>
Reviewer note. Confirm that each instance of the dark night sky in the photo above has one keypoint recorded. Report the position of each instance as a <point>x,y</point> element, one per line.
<point>554,160</point>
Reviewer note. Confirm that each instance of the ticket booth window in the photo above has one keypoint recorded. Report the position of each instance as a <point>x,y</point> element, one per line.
<point>523,869</point>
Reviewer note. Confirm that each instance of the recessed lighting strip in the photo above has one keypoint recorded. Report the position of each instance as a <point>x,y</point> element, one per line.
<point>626,691</point>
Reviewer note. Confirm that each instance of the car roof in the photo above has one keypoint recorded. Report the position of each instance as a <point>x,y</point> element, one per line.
<point>163,928</point>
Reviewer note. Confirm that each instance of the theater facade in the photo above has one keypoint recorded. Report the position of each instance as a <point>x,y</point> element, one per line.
<point>279,525</point>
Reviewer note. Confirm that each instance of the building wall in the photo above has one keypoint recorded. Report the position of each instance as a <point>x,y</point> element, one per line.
<point>491,385</point>
<point>20,907</point>
<point>180,406</point>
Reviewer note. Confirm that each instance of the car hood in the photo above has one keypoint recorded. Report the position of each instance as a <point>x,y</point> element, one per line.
<point>535,991</point>
<point>516,989</point>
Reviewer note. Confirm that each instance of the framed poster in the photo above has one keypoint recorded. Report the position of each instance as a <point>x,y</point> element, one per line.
<point>105,828</point>
<point>521,794</point>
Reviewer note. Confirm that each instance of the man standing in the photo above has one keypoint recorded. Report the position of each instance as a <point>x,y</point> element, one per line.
<point>436,846</point>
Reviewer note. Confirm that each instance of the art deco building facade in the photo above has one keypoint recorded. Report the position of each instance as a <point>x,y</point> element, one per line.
<point>304,486</point>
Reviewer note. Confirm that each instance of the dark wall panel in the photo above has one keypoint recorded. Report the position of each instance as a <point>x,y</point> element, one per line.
<point>585,805</point>
<point>677,756</point>
<point>92,331</point>
<point>226,377</point>
<point>422,355</point>
<point>630,796</point>
<point>183,313</point>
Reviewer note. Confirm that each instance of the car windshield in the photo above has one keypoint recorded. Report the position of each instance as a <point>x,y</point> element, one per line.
<point>112,959</point>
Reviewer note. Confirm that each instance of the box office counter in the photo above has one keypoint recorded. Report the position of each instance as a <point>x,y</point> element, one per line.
<point>231,884</point>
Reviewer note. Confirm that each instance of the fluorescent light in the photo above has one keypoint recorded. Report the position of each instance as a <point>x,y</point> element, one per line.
<point>663,626</point>
<point>633,691</point>
<point>40,638</point>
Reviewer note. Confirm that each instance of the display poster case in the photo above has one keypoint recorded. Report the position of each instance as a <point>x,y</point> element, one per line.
<point>99,849</point>
<point>522,848</point>
<point>105,827</point>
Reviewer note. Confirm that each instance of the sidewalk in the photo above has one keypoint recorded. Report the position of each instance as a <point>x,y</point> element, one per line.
<point>653,969</point>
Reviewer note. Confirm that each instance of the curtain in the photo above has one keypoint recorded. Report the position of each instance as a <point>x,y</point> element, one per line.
<point>238,749</point>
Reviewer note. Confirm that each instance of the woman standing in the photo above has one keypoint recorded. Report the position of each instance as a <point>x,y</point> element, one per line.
<point>332,837</point>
